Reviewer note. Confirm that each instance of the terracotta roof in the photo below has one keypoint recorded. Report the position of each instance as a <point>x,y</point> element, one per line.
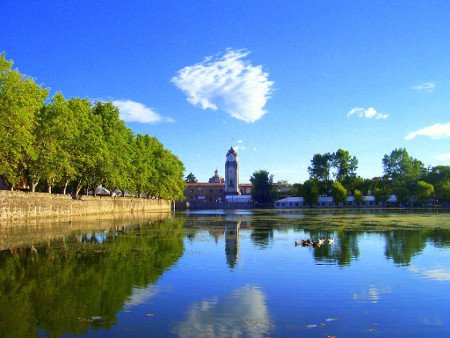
<point>205,184</point>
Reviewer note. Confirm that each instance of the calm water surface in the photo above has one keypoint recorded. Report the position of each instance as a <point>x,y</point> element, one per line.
<point>230,274</point>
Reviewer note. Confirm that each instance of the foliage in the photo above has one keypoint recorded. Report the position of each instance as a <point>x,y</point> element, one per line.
<point>320,167</point>
<point>424,191</point>
<point>400,166</point>
<point>78,144</point>
<point>311,192</point>
<point>345,165</point>
<point>338,192</point>
<point>262,191</point>
<point>56,287</point>
<point>444,192</point>
<point>357,194</point>
<point>20,100</point>
<point>340,164</point>
<point>190,178</point>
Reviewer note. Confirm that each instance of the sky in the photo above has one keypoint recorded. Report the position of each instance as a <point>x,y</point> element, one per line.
<point>279,80</point>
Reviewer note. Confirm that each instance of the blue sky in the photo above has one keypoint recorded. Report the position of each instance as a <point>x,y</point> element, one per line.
<point>280,80</point>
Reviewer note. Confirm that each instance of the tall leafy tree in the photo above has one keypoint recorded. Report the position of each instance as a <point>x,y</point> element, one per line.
<point>20,99</point>
<point>320,169</point>
<point>262,191</point>
<point>345,165</point>
<point>311,192</point>
<point>53,143</point>
<point>399,165</point>
<point>116,170</point>
<point>88,147</point>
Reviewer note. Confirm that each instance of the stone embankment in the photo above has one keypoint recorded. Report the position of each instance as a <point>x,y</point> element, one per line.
<point>24,205</point>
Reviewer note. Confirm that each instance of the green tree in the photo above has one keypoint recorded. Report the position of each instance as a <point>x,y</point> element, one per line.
<point>116,170</point>
<point>190,178</point>
<point>381,194</point>
<point>438,176</point>
<point>20,100</point>
<point>358,196</point>
<point>345,166</point>
<point>400,166</point>
<point>53,145</point>
<point>338,192</point>
<point>320,169</point>
<point>424,191</point>
<point>310,192</point>
<point>262,191</point>
<point>88,148</point>
<point>445,191</point>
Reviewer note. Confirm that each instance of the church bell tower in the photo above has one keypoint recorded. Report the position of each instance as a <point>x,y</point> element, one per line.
<point>232,173</point>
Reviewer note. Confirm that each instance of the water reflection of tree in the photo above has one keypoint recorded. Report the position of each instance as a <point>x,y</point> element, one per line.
<point>262,233</point>
<point>342,251</point>
<point>402,245</point>
<point>57,287</point>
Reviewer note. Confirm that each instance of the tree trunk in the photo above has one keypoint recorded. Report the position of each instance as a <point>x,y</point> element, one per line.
<point>33,186</point>
<point>49,187</point>
<point>65,187</point>
<point>79,186</point>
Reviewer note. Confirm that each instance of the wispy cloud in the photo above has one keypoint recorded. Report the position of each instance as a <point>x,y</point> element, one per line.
<point>436,274</point>
<point>367,113</point>
<point>239,146</point>
<point>435,131</point>
<point>425,87</point>
<point>228,83</point>
<point>131,111</point>
<point>443,157</point>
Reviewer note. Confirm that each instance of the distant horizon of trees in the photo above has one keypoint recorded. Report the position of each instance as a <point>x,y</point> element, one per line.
<point>404,176</point>
<point>74,144</point>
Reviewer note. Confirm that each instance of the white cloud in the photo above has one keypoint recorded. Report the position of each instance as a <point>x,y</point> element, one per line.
<point>368,113</point>
<point>443,157</point>
<point>228,83</point>
<point>239,146</point>
<point>435,131</point>
<point>131,111</point>
<point>426,87</point>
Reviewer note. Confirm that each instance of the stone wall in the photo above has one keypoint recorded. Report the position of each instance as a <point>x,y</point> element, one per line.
<point>25,205</point>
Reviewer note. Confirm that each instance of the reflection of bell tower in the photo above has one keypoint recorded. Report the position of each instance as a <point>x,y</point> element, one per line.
<point>232,242</point>
<point>232,173</point>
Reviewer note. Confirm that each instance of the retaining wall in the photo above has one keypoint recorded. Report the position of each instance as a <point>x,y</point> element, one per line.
<point>25,205</point>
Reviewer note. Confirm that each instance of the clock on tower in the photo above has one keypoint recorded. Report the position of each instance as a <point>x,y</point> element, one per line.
<point>232,173</point>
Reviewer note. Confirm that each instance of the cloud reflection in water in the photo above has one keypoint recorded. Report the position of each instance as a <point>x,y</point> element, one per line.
<point>243,312</point>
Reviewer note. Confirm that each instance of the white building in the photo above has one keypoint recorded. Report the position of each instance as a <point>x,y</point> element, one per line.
<point>289,202</point>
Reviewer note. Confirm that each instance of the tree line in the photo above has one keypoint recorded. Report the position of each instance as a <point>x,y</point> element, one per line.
<point>76,145</point>
<point>335,174</point>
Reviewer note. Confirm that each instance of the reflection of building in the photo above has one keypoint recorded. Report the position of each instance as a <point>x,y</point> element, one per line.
<point>213,194</point>
<point>232,242</point>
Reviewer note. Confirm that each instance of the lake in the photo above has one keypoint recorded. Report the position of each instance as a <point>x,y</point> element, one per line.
<point>233,273</point>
